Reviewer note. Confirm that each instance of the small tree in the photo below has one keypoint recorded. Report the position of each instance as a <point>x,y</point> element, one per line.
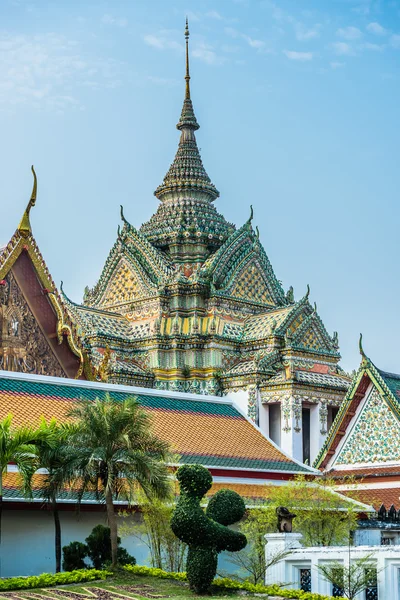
<point>113,450</point>
<point>324,517</point>
<point>52,455</point>
<point>17,446</point>
<point>167,552</point>
<point>352,579</point>
<point>252,559</point>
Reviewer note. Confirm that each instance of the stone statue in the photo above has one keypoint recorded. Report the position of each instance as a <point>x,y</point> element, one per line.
<point>285,518</point>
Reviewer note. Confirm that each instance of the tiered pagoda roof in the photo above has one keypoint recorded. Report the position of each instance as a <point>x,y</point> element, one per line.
<point>187,192</point>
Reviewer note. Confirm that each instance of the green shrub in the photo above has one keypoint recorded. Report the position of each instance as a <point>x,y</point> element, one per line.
<point>226,507</point>
<point>205,533</point>
<point>49,580</point>
<point>74,555</point>
<point>230,584</point>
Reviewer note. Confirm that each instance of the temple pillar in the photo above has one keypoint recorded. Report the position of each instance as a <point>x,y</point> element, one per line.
<point>291,433</point>
<point>318,428</point>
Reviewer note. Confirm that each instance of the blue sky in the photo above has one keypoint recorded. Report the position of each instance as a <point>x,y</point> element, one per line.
<point>298,106</point>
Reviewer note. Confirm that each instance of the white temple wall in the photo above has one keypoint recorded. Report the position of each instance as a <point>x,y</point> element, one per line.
<point>289,571</point>
<point>27,545</point>
<point>240,398</point>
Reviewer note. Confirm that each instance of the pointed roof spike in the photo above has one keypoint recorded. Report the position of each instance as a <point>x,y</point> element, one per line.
<point>308,292</point>
<point>187,76</point>
<point>122,215</point>
<point>360,346</point>
<point>249,220</point>
<point>24,226</point>
<point>187,177</point>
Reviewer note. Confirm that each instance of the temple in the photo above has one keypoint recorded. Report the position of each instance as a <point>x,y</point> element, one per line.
<point>187,303</point>
<point>362,451</point>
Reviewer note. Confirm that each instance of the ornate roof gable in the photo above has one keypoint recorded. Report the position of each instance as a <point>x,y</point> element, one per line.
<point>133,270</point>
<point>241,269</point>
<point>312,335</point>
<point>23,269</point>
<point>383,408</point>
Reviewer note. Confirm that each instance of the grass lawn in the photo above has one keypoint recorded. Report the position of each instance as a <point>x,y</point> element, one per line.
<point>122,585</point>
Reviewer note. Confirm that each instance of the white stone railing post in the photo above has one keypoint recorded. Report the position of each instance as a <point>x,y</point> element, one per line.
<point>276,543</point>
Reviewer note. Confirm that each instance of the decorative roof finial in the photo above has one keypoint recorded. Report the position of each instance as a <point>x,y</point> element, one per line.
<point>308,292</point>
<point>249,220</point>
<point>122,215</point>
<point>25,226</point>
<point>187,76</point>
<point>360,346</point>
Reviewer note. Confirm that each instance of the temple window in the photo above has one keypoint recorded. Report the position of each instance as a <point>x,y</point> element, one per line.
<point>274,415</point>
<point>305,417</point>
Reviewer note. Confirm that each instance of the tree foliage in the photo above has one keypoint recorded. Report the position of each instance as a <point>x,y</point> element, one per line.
<point>252,560</point>
<point>167,551</point>
<point>351,579</point>
<point>205,535</point>
<point>324,517</point>
<point>114,451</point>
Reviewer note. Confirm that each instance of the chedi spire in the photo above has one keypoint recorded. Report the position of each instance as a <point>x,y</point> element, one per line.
<point>186,177</point>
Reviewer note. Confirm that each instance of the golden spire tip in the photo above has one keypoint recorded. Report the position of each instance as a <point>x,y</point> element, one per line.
<point>25,226</point>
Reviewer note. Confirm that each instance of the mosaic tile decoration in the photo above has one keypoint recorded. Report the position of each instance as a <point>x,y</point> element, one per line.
<point>375,437</point>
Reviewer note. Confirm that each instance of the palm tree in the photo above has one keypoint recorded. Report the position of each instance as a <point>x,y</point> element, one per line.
<point>17,446</point>
<point>52,455</point>
<point>113,450</point>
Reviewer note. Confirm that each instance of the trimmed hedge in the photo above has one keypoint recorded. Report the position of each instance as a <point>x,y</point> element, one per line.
<point>50,579</point>
<point>225,583</point>
<point>205,532</point>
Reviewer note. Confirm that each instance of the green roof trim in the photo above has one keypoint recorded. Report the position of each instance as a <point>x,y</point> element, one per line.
<point>69,392</point>
<point>243,463</point>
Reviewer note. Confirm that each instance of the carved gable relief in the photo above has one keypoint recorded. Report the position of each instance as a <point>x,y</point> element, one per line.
<point>23,346</point>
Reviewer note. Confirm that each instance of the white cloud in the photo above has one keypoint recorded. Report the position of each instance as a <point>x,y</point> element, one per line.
<point>118,21</point>
<point>376,29</point>
<point>395,41</point>
<point>336,64</point>
<point>161,80</point>
<point>207,54</point>
<point>303,34</point>
<point>162,42</point>
<point>252,42</point>
<point>47,71</point>
<point>214,14</point>
<point>374,47</point>
<point>258,44</point>
<point>349,33</point>
<point>342,49</point>
<point>299,56</point>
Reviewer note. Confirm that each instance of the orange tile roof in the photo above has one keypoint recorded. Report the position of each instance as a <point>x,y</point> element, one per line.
<point>209,432</point>
<point>376,497</point>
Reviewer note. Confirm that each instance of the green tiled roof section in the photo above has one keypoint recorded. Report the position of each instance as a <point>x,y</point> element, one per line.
<point>70,392</point>
<point>392,381</point>
<point>242,463</point>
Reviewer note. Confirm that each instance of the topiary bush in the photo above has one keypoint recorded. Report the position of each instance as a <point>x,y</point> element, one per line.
<point>205,533</point>
<point>74,555</point>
